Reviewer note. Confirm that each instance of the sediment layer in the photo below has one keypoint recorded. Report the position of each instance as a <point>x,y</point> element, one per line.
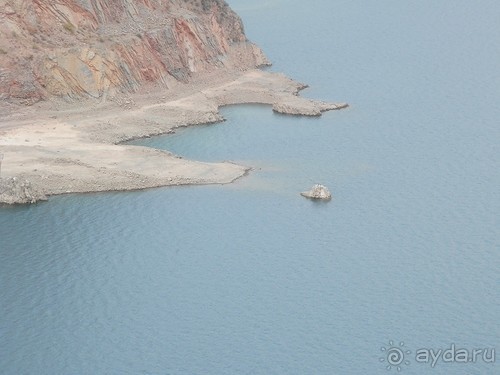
<point>75,49</point>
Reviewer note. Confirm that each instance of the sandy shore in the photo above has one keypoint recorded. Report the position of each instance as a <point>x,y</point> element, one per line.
<point>61,148</point>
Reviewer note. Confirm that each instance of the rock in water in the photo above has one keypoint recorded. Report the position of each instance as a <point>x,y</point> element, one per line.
<point>318,192</point>
<point>15,191</point>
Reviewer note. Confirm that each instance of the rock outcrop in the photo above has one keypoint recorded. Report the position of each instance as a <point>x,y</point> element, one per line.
<point>304,107</point>
<point>318,192</point>
<point>96,48</point>
<point>14,190</point>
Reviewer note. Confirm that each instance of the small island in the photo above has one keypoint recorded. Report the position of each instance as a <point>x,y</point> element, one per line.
<point>319,192</point>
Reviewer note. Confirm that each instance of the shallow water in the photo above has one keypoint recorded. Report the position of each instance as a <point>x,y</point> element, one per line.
<point>251,277</point>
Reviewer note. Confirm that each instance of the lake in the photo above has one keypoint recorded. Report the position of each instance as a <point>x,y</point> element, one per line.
<point>251,278</point>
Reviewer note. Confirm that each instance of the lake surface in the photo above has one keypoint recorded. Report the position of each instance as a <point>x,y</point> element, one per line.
<point>251,278</point>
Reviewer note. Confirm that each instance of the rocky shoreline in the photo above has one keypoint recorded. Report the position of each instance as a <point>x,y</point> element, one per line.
<point>75,150</point>
<point>79,79</point>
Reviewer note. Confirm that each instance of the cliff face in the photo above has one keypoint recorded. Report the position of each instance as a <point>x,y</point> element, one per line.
<point>93,48</point>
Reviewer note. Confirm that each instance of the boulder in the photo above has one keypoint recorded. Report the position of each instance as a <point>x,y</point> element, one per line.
<point>318,192</point>
<point>18,191</point>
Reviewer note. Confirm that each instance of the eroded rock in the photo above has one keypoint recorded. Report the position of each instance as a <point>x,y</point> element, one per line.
<point>19,191</point>
<point>318,192</point>
<point>76,49</point>
<point>299,106</point>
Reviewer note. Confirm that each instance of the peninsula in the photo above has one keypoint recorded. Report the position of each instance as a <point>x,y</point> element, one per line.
<point>80,77</point>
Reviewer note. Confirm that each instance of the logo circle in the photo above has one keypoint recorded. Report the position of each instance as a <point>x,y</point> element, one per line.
<point>395,356</point>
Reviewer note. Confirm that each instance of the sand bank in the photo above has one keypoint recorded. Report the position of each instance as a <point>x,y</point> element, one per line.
<point>61,148</point>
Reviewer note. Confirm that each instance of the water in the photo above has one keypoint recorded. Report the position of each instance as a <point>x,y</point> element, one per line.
<point>251,278</point>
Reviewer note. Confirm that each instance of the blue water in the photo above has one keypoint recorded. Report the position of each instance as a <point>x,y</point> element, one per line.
<point>251,278</point>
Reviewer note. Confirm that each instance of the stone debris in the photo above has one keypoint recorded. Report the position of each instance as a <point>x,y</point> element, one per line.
<point>18,191</point>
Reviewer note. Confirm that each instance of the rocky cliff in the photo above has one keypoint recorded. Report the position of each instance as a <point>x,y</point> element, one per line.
<point>95,48</point>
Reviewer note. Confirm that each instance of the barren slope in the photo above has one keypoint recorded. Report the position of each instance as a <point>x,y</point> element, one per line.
<point>94,48</point>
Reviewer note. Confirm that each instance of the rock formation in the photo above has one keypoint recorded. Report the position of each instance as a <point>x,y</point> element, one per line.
<point>301,107</point>
<point>318,192</point>
<point>95,48</point>
<point>102,72</point>
<point>14,190</point>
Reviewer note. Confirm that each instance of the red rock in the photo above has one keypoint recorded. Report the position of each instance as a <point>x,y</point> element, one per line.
<point>89,48</point>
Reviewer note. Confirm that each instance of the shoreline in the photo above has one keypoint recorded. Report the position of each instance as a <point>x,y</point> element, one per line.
<point>58,148</point>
